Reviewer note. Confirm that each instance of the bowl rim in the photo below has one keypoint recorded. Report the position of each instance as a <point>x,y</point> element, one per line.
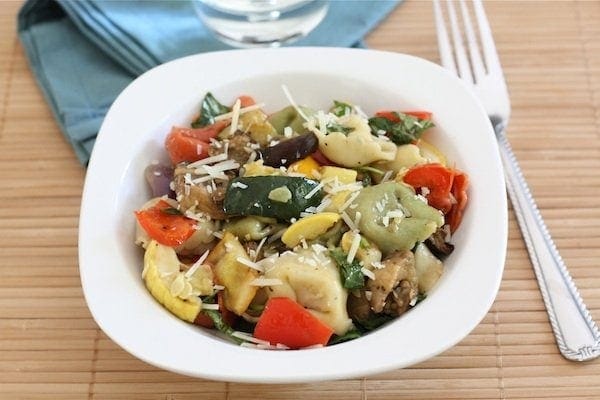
<point>107,167</point>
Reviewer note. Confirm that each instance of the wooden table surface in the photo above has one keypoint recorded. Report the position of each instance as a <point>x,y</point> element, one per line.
<point>50,347</point>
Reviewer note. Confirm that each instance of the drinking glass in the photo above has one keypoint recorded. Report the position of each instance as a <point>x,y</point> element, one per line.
<point>260,23</point>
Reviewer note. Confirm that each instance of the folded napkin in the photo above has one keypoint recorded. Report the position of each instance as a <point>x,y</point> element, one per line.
<point>84,53</point>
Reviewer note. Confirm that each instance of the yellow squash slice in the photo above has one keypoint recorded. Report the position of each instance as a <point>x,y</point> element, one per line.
<point>160,268</point>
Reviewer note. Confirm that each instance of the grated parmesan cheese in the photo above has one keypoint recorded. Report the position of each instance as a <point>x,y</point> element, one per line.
<point>368,273</point>
<point>262,282</point>
<point>348,221</point>
<point>243,110</point>
<point>289,97</point>
<point>206,306</point>
<point>235,117</point>
<point>353,248</point>
<point>250,264</point>
<point>190,272</point>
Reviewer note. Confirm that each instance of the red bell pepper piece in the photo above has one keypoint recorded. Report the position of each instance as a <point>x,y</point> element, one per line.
<point>166,228</point>
<point>287,322</point>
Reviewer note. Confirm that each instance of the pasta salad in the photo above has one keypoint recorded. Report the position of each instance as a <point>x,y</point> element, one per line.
<point>299,228</point>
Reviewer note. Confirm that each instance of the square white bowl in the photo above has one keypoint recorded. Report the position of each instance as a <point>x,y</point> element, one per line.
<point>133,134</point>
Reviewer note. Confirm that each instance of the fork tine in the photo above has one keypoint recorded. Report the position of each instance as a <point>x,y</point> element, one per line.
<point>476,61</point>
<point>464,70</point>
<point>443,40</point>
<point>487,40</point>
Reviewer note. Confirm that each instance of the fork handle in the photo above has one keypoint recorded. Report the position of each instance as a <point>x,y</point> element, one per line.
<point>576,333</point>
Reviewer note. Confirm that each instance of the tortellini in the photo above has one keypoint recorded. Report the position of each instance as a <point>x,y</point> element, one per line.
<point>356,148</point>
<point>393,217</point>
<point>407,156</point>
<point>312,280</point>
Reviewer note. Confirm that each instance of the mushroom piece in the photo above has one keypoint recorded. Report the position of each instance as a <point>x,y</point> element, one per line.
<point>238,147</point>
<point>196,198</point>
<point>437,244</point>
<point>395,285</point>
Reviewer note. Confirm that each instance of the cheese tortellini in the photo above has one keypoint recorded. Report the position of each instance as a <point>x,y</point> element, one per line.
<point>356,148</point>
<point>312,280</point>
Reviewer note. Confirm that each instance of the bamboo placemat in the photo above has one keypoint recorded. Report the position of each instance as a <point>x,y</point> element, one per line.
<point>50,348</point>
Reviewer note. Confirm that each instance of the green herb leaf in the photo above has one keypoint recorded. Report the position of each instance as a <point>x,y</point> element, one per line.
<point>221,325</point>
<point>374,322</point>
<point>407,130</point>
<point>340,108</point>
<point>209,109</point>
<point>334,127</point>
<point>350,335</point>
<point>420,297</point>
<point>171,211</point>
<point>351,274</point>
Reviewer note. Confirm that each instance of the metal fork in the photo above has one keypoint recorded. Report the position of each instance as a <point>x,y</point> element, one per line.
<point>576,333</point>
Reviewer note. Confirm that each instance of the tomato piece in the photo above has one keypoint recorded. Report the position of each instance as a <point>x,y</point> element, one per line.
<point>166,228</point>
<point>246,101</point>
<point>191,144</point>
<point>435,177</point>
<point>391,115</point>
<point>459,191</point>
<point>287,322</point>
<point>419,114</point>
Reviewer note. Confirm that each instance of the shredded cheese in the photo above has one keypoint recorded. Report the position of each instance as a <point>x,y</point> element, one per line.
<point>243,110</point>
<point>368,273</point>
<point>190,272</point>
<point>353,248</point>
<point>250,264</point>
<point>288,95</point>
<point>348,221</point>
<point>235,117</point>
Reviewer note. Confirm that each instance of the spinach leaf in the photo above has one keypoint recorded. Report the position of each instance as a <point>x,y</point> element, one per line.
<point>374,321</point>
<point>350,335</point>
<point>334,127</point>
<point>352,276</point>
<point>407,130</point>
<point>340,108</point>
<point>171,211</point>
<point>209,109</point>
<point>221,325</point>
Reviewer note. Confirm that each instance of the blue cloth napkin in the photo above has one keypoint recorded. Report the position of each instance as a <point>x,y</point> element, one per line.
<point>84,53</point>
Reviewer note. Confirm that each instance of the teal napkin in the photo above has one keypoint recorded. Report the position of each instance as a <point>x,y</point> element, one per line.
<point>84,53</point>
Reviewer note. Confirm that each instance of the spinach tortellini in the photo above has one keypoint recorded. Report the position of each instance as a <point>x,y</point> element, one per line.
<point>393,217</point>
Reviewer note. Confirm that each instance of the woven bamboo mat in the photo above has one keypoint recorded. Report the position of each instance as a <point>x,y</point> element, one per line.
<point>50,348</point>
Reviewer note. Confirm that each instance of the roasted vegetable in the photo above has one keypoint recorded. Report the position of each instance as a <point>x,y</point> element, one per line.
<point>250,196</point>
<point>429,269</point>
<point>309,228</point>
<point>234,275</point>
<point>350,272</point>
<point>287,322</point>
<point>161,266</point>
<point>255,123</point>
<point>250,228</point>
<point>209,109</point>
<point>412,220</point>
<point>288,116</point>
<point>400,128</point>
<point>289,151</point>
<point>395,285</point>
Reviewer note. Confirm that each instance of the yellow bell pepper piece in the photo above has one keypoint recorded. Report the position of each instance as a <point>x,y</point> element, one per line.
<point>431,152</point>
<point>344,175</point>
<point>309,228</point>
<point>307,166</point>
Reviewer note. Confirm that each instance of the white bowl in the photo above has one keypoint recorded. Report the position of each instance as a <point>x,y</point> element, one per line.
<point>133,134</point>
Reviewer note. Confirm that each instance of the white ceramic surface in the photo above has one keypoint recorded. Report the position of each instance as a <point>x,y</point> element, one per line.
<point>133,134</point>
